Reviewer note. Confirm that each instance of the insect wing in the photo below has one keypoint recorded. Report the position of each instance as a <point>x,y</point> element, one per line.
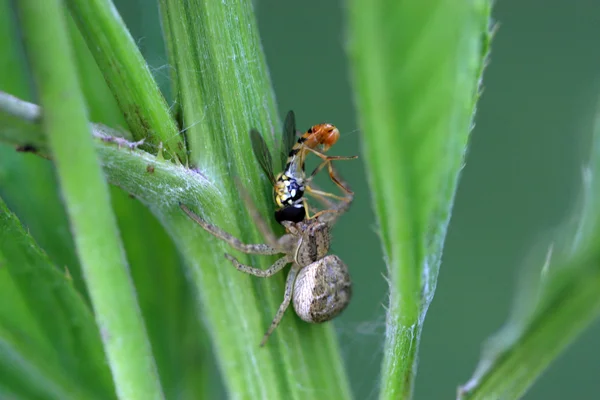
<point>289,136</point>
<point>262,154</point>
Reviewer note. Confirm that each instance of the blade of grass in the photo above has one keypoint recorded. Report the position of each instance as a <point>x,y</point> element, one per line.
<point>59,310</point>
<point>86,197</point>
<point>40,208</point>
<point>29,366</point>
<point>15,316</point>
<point>231,94</point>
<point>128,76</point>
<point>416,66</point>
<point>552,306</point>
<point>517,356</point>
<point>32,373</point>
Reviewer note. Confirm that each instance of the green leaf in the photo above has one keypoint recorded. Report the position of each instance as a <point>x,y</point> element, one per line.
<point>39,207</point>
<point>553,305</point>
<point>416,67</point>
<point>32,373</point>
<point>87,201</point>
<point>59,311</point>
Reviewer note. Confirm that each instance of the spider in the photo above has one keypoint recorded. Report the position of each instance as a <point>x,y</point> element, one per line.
<point>318,284</point>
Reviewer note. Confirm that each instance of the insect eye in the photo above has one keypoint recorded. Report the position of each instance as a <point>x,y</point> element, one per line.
<point>290,213</point>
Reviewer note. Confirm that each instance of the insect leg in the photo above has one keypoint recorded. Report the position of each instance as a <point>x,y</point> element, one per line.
<point>335,210</point>
<point>306,207</point>
<point>337,181</point>
<point>327,160</point>
<point>233,241</point>
<point>332,174</point>
<point>319,193</point>
<point>287,298</point>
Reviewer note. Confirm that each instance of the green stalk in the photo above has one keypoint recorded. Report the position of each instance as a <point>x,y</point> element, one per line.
<point>128,76</point>
<point>224,90</point>
<point>416,67</point>
<point>86,198</point>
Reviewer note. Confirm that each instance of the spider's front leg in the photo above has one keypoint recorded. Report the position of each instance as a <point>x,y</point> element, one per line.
<point>232,240</point>
<point>261,273</point>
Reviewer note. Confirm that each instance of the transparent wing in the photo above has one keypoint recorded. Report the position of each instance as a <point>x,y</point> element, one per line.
<point>289,136</point>
<point>261,152</point>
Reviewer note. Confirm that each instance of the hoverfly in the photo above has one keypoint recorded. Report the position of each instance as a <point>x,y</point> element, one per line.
<point>290,184</point>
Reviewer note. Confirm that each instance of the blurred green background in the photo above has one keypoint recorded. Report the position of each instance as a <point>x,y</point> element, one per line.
<point>521,178</point>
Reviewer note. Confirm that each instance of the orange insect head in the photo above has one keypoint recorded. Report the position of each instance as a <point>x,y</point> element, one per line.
<point>324,135</point>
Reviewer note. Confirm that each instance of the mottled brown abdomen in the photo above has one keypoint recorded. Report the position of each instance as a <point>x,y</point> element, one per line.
<point>322,290</point>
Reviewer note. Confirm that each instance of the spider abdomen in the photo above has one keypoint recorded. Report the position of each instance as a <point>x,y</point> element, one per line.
<point>322,290</point>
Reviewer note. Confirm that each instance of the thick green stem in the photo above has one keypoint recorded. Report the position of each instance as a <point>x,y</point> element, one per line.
<point>85,193</point>
<point>223,88</point>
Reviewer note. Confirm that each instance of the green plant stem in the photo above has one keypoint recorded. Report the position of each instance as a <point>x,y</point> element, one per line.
<point>416,66</point>
<point>128,76</point>
<point>86,198</point>
<point>219,106</point>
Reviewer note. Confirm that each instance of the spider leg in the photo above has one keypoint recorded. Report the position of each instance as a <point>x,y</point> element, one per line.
<point>261,273</point>
<point>287,298</point>
<point>233,241</point>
